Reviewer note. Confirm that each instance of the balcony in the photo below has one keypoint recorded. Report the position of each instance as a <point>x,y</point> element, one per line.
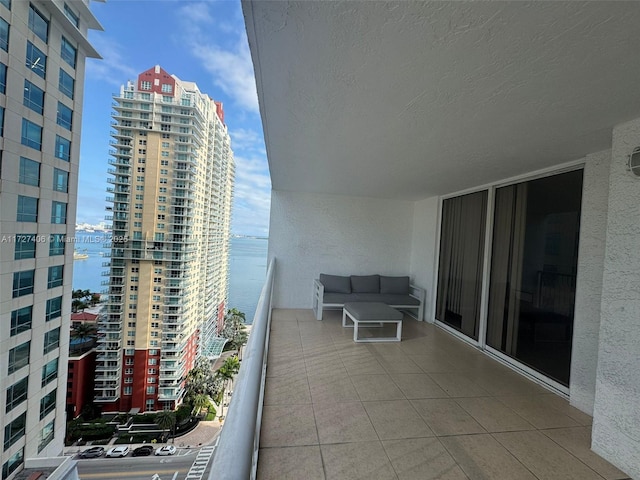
<point>431,406</point>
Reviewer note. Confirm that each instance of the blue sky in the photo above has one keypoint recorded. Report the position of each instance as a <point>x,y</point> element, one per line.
<point>199,41</point>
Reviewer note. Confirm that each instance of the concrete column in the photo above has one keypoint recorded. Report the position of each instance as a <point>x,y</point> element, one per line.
<point>616,428</point>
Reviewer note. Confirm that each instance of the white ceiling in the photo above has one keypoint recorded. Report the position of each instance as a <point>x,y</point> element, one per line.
<point>412,99</point>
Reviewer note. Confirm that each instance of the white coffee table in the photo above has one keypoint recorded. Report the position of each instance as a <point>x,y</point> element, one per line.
<point>369,313</point>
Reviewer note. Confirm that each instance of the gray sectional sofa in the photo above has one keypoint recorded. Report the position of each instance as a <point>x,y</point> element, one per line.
<point>332,291</point>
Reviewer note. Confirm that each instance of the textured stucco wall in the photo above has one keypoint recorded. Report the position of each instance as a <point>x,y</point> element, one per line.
<point>586,326</point>
<point>616,423</point>
<point>425,227</point>
<point>311,234</point>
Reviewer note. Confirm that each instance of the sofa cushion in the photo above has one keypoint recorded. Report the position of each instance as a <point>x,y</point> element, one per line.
<point>335,283</point>
<point>394,285</point>
<point>365,283</point>
<point>338,298</point>
<point>388,298</point>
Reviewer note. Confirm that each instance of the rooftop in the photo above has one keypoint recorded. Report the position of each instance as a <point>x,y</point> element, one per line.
<point>428,407</point>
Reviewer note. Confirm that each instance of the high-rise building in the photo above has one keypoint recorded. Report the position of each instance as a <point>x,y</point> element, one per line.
<point>170,203</point>
<point>43,47</point>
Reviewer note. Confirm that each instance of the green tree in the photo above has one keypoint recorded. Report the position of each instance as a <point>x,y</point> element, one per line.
<point>200,380</point>
<point>200,401</point>
<point>83,330</point>
<point>226,373</point>
<point>235,328</point>
<point>166,420</point>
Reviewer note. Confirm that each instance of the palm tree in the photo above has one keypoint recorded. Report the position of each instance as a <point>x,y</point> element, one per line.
<point>83,330</point>
<point>226,372</point>
<point>235,328</point>
<point>165,420</point>
<point>200,401</point>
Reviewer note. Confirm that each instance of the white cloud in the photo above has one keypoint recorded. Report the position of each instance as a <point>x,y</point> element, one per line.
<point>243,139</point>
<point>112,67</point>
<point>231,67</point>
<point>252,196</point>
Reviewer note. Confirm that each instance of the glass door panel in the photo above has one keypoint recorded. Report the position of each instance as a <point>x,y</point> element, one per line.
<point>533,272</point>
<point>461,262</point>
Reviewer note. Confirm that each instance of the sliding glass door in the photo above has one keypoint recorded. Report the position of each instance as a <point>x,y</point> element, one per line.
<point>461,260</point>
<point>533,272</point>
<point>531,288</point>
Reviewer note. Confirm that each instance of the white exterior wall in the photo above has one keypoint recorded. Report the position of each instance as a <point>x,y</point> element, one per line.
<point>311,234</point>
<point>423,250</point>
<point>616,423</point>
<point>586,324</point>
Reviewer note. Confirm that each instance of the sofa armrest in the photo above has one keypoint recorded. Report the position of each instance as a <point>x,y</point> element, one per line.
<point>318,298</point>
<point>420,294</point>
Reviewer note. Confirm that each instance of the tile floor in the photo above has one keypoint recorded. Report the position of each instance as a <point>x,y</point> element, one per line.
<point>429,407</point>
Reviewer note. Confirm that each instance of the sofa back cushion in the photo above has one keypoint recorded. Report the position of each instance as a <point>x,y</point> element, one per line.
<point>335,283</point>
<point>365,283</point>
<point>394,285</point>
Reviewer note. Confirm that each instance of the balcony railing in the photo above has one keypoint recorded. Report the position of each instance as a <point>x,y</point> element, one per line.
<point>236,455</point>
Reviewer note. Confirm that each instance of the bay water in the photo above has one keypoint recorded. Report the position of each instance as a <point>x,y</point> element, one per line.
<point>247,268</point>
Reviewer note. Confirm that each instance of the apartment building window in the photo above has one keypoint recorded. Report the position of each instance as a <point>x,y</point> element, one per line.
<point>155,334</point>
<point>46,435</point>
<point>55,276</point>
<point>153,361</point>
<point>25,246</point>
<point>60,180</point>
<point>4,35</point>
<point>21,320</point>
<point>151,380</point>
<point>152,371</point>
<point>63,148</point>
<point>68,52</point>
<point>162,199</point>
<point>38,24</point>
<point>144,116</point>
<point>13,463</point>
<point>134,279</point>
<point>65,116</point>
<point>151,390</point>
<point>17,393</point>
<point>51,340</point>
<point>66,84</point>
<point>144,85</point>
<point>165,118</point>
<point>71,15</point>
<point>58,213</point>
<point>153,343</point>
<point>48,403</point>
<point>150,405</point>
<point>49,372</point>
<point>155,315</point>
<point>23,283</point>
<point>128,371</point>
<point>27,210</point>
<point>29,172</point>
<point>3,78</point>
<point>165,128</point>
<point>36,61</point>
<point>166,135</point>
<point>14,431</point>
<point>162,190</point>
<point>166,88</point>
<point>128,390</point>
<point>6,3</point>
<point>131,343</point>
<point>128,380</point>
<point>19,357</point>
<point>31,134</point>
<point>33,97</point>
<point>54,309</point>
<point>56,245</point>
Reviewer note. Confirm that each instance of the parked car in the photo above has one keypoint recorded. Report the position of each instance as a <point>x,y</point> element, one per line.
<point>142,451</point>
<point>92,452</point>
<point>168,450</point>
<point>118,452</point>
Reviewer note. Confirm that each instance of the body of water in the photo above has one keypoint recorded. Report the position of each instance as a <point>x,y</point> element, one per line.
<point>247,269</point>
